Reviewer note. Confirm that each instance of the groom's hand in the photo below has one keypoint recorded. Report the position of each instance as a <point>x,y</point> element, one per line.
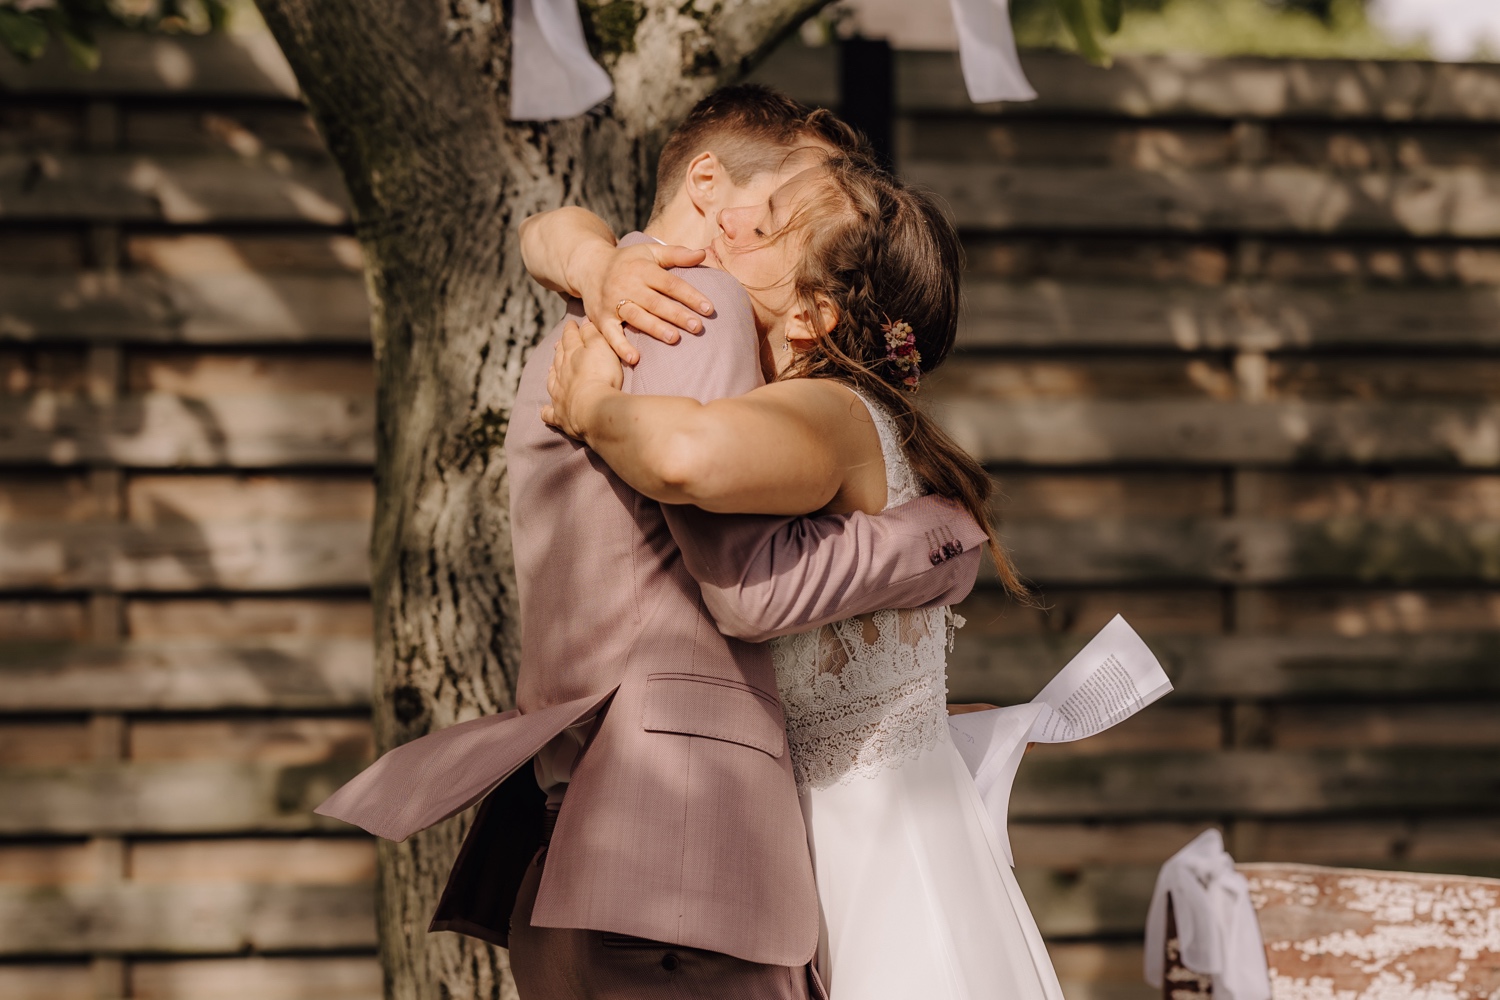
<point>632,285</point>
<point>583,370</point>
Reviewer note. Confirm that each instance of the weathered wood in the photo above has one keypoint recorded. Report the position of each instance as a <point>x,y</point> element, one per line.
<point>251,618</point>
<point>34,981</point>
<point>164,429</point>
<point>230,64</point>
<point>1083,902</point>
<point>205,308</point>
<point>171,798</point>
<point>286,673</point>
<point>1198,432</point>
<point>205,797</point>
<point>171,187</point>
<point>279,978</point>
<point>288,742</point>
<point>296,673</point>
<point>1186,85</point>
<point>1256,783</point>
<point>1348,611</point>
<point>185,919</point>
<point>1449,724</point>
<point>1292,667</point>
<point>1100,970</point>
<point>1053,315</point>
<point>264,861</point>
<point>1255,551</point>
<point>1434,201</point>
<point>39,742</point>
<point>190,555</point>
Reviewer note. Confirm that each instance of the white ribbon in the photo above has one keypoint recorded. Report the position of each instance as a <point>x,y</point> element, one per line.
<point>1216,923</point>
<point>987,52</point>
<point>552,74</point>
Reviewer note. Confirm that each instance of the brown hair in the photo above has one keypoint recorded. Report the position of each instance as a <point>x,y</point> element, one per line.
<point>752,130</point>
<point>883,252</point>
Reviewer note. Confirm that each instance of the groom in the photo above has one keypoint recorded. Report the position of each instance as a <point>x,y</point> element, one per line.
<point>655,846</point>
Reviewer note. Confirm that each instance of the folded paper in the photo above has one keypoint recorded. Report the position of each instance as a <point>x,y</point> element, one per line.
<point>1112,678</point>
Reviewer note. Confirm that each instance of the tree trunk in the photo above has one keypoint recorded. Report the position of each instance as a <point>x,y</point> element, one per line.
<point>411,97</point>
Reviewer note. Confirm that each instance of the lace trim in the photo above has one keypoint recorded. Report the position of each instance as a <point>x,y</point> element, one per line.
<point>869,693</point>
<point>856,706</point>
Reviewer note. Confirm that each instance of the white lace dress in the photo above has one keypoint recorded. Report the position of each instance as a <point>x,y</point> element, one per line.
<point>918,903</point>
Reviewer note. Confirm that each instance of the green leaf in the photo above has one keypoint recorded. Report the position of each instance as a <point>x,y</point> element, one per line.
<point>25,36</point>
<point>1111,15</point>
<point>1076,15</point>
<point>82,49</point>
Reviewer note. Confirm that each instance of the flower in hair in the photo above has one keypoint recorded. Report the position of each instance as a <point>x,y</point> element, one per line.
<point>901,351</point>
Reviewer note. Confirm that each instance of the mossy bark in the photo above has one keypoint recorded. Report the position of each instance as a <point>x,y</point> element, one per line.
<point>411,97</point>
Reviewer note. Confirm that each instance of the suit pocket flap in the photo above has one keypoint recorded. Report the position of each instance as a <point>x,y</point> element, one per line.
<point>716,708</point>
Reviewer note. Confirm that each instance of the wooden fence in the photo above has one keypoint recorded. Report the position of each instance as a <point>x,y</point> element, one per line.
<point>1232,348</point>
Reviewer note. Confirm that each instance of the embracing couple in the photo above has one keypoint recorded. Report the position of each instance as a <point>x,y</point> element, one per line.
<point>730,771</point>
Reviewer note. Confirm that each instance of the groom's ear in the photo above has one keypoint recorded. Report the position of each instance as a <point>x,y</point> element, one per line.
<point>704,182</point>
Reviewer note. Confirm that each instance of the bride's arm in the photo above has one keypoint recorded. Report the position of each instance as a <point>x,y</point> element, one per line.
<point>572,251</point>
<point>784,448</point>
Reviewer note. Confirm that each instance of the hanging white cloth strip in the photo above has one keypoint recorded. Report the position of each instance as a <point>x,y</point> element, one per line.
<point>1216,923</point>
<point>987,51</point>
<point>552,73</point>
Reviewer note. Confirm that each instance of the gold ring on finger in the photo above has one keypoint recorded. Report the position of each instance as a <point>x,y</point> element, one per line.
<point>618,306</point>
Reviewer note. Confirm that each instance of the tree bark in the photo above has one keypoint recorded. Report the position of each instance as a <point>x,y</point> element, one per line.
<point>411,97</point>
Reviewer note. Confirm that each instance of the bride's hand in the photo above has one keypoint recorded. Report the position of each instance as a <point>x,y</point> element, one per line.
<point>583,368</point>
<point>632,285</point>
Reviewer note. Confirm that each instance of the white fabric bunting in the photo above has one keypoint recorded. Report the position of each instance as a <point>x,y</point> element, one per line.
<point>987,51</point>
<point>552,74</point>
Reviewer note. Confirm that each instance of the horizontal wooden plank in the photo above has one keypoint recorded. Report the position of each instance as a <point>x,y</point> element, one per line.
<point>1431,202</point>
<point>1254,551</point>
<point>209,797</point>
<point>1088,902</point>
<point>1192,609</point>
<point>52,981</point>
<point>222,64</point>
<point>324,977</point>
<point>1186,85</point>
<point>1295,667</point>
<point>1100,970</point>
<point>1451,723</point>
<point>251,617</point>
<point>1376,611</point>
<point>1059,315</point>
<point>1196,432</point>
<point>170,798</point>
<point>187,555</point>
<point>206,308</point>
<point>180,188</point>
<point>44,742</point>
<point>185,919</point>
<point>288,672</point>
<point>265,861</point>
<point>331,673</point>
<point>163,429</point>
<point>1257,783</point>
<point>279,740</point>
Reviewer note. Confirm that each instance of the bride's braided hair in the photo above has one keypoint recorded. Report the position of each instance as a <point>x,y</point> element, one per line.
<point>884,253</point>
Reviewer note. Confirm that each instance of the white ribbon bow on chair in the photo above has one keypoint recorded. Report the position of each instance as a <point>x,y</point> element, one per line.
<point>553,76</point>
<point>1216,924</point>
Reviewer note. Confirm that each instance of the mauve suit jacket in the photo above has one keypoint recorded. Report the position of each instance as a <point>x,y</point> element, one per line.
<point>681,821</point>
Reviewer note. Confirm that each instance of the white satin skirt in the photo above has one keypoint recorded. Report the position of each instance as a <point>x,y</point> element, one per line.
<point>918,903</point>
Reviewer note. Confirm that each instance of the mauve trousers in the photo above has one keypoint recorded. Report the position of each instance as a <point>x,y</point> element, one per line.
<point>551,963</point>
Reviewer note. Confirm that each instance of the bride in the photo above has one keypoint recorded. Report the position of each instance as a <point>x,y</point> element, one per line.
<point>853,280</point>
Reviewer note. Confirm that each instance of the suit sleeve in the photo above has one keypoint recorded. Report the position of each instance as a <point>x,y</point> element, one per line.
<point>764,576</point>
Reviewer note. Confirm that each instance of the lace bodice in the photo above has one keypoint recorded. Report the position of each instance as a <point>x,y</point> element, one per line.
<point>866,693</point>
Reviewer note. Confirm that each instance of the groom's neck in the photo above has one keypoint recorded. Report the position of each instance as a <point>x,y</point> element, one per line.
<point>679,223</point>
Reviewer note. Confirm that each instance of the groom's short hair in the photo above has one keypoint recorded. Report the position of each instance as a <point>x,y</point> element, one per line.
<point>751,129</point>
